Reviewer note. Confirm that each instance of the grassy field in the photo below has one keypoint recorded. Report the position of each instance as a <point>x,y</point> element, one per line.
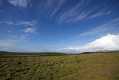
<point>96,66</point>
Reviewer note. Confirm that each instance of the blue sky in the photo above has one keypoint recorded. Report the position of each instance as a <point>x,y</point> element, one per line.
<point>56,25</point>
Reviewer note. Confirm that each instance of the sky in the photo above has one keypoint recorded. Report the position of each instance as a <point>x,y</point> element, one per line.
<point>59,25</point>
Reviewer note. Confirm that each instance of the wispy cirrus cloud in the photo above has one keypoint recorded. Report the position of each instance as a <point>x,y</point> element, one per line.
<point>83,15</point>
<point>101,13</point>
<point>70,13</point>
<point>80,12</point>
<point>105,28</point>
<point>19,3</point>
<point>33,22</point>
<point>57,7</point>
<point>89,15</point>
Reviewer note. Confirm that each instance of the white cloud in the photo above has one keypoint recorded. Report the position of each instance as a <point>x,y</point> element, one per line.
<point>107,42</point>
<point>29,30</point>
<point>19,3</point>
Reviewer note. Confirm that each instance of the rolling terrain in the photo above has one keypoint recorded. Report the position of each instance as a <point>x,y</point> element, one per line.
<point>88,66</point>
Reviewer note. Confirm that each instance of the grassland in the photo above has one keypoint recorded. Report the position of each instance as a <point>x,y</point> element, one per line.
<point>96,66</point>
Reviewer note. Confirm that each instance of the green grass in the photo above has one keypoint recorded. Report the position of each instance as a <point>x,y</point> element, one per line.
<point>104,66</point>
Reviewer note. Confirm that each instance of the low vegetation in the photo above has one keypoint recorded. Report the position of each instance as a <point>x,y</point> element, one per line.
<point>96,66</point>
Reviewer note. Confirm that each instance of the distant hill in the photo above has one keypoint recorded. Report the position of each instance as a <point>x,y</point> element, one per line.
<point>100,52</point>
<point>31,53</point>
<point>52,53</point>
